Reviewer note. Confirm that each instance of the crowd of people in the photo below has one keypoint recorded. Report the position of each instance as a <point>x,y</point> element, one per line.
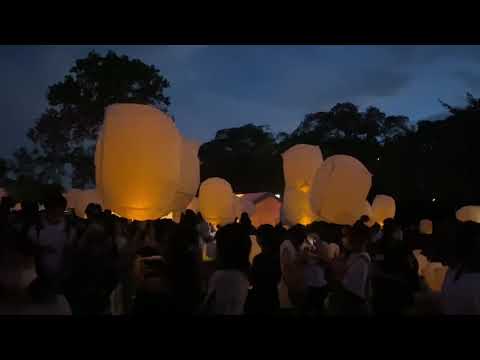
<point>53,262</point>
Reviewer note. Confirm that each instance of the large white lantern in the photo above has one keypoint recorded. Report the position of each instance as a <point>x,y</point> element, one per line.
<point>216,201</point>
<point>340,188</point>
<point>138,161</point>
<point>383,207</point>
<point>469,213</point>
<point>189,176</point>
<point>296,208</point>
<point>426,227</point>
<point>300,163</point>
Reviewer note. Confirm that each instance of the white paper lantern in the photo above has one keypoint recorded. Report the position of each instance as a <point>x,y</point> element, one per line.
<point>216,201</point>
<point>340,189</point>
<point>426,227</point>
<point>469,213</point>
<point>300,164</point>
<point>189,176</point>
<point>383,207</point>
<point>138,161</point>
<point>296,208</point>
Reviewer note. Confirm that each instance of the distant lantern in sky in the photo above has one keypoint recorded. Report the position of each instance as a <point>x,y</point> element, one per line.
<point>383,207</point>
<point>340,189</point>
<point>469,213</point>
<point>138,161</point>
<point>426,227</point>
<point>189,175</point>
<point>216,201</point>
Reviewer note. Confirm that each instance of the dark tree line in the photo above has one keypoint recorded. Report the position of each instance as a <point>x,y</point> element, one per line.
<point>431,168</point>
<point>415,164</point>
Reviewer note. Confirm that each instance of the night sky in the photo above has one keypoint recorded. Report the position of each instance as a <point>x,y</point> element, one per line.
<point>215,87</point>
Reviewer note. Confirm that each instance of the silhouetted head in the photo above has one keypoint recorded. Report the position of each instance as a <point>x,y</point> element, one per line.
<point>93,211</point>
<point>55,206</point>
<point>266,238</point>
<point>188,218</point>
<point>29,208</point>
<point>297,235</point>
<point>233,247</point>
<point>358,237</point>
<point>245,219</point>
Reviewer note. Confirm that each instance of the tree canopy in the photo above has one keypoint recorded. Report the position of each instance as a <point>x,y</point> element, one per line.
<point>66,132</point>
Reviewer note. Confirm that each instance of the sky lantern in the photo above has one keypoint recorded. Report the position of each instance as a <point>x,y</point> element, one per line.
<point>296,208</point>
<point>300,163</point>
<point>468,213</point>
<point>383,207</point>
<point>426,227</point>
<point>340,188</point>
<point>137,161</point>
<point>189,175</point>
<point>216,200</point>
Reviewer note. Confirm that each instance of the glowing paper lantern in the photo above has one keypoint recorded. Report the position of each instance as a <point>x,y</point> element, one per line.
<point>300,163</point>
<point>296,208</point>
<point>340,188</point>
<point>426,227</point>
<point>189,176</point>
<point>243,205</point>
<point>216,201</point>
<point>383,207</point>
<point>469,213</point>
<point>138,161</point>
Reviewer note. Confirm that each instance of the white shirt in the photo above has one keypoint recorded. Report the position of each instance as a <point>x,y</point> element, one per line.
<point>231,290</point>
<point>356,276</point>
<point>461,297</point>
<point>315,273</point>
<point>288,254</point>
<point>53,236</point>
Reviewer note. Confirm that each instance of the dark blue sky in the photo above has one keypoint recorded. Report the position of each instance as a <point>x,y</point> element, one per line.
<point>215,87</point>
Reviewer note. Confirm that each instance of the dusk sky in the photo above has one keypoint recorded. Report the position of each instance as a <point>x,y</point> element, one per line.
<point>215,87</point>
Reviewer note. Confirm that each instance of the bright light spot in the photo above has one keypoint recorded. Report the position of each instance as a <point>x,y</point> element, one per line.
<point>277,196</point>
<point>239,195</point>
<point>434,199</point>
<point>305,188</point>
<point>378,159</point>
